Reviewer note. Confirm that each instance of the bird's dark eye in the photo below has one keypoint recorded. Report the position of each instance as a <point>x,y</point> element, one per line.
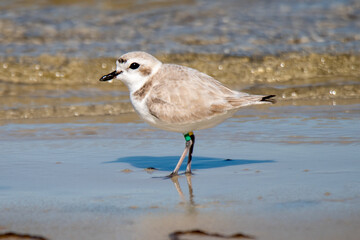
<point>134,65</point>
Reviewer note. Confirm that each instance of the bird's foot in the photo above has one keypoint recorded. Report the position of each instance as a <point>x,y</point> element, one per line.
<point>172,174</point>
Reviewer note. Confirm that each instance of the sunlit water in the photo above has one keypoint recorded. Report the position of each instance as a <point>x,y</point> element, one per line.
<point>104,28</point>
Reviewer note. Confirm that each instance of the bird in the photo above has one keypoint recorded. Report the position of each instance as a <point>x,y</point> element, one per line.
<point>177,98</point>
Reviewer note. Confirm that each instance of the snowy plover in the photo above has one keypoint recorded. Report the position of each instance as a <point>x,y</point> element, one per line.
<point>177,98</point>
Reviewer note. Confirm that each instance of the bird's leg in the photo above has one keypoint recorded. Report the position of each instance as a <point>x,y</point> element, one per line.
<point>188,166</point>
<point>186,150</point>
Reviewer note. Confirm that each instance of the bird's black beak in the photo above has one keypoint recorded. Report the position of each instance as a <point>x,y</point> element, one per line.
<point>109,76</point>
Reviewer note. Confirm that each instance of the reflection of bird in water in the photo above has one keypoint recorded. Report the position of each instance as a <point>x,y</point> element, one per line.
<point>177,98</point>
<point>191,202</point>
<point>191,208</point>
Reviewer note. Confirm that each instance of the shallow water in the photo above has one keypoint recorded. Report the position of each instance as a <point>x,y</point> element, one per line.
<point>292,174</point>
<point>76,162</point>
<point>91,28</point>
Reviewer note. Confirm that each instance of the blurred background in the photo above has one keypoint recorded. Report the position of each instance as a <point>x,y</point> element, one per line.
<point>53,52</point>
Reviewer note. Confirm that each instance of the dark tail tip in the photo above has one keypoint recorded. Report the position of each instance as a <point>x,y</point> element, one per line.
<point>269,98</point>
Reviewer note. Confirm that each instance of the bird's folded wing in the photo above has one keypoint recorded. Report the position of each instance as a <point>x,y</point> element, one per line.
<point>193,96</point>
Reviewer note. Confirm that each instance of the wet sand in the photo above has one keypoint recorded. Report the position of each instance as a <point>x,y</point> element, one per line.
<point>52,86</point>
<point>91,179</point>
<point>77,163</point>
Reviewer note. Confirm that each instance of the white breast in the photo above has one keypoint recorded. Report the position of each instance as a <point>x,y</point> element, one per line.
<point>142,110</point>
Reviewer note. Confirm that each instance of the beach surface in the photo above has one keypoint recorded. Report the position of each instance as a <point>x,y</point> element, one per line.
<point>268,175</point>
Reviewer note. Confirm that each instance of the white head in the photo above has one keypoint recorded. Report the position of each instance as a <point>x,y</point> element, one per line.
<point>134,69</point>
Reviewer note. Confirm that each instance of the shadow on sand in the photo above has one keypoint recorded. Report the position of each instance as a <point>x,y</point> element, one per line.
<point>167,163</point>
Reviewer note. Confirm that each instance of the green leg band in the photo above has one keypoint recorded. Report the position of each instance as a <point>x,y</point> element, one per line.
<point>187,137</point>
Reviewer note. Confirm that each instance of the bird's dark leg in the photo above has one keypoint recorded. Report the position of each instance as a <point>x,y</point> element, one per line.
<point>188,166</point>
<point>188,145</point>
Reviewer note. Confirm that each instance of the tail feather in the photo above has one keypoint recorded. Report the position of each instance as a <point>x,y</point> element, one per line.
<point>269,98</point>
<point>248,99</point>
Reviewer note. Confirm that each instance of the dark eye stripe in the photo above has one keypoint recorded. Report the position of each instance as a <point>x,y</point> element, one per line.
<point>121,60</point>
<point>134,65</point>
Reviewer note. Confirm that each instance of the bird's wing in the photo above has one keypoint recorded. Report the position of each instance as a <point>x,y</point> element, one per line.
<point>181,94</point>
